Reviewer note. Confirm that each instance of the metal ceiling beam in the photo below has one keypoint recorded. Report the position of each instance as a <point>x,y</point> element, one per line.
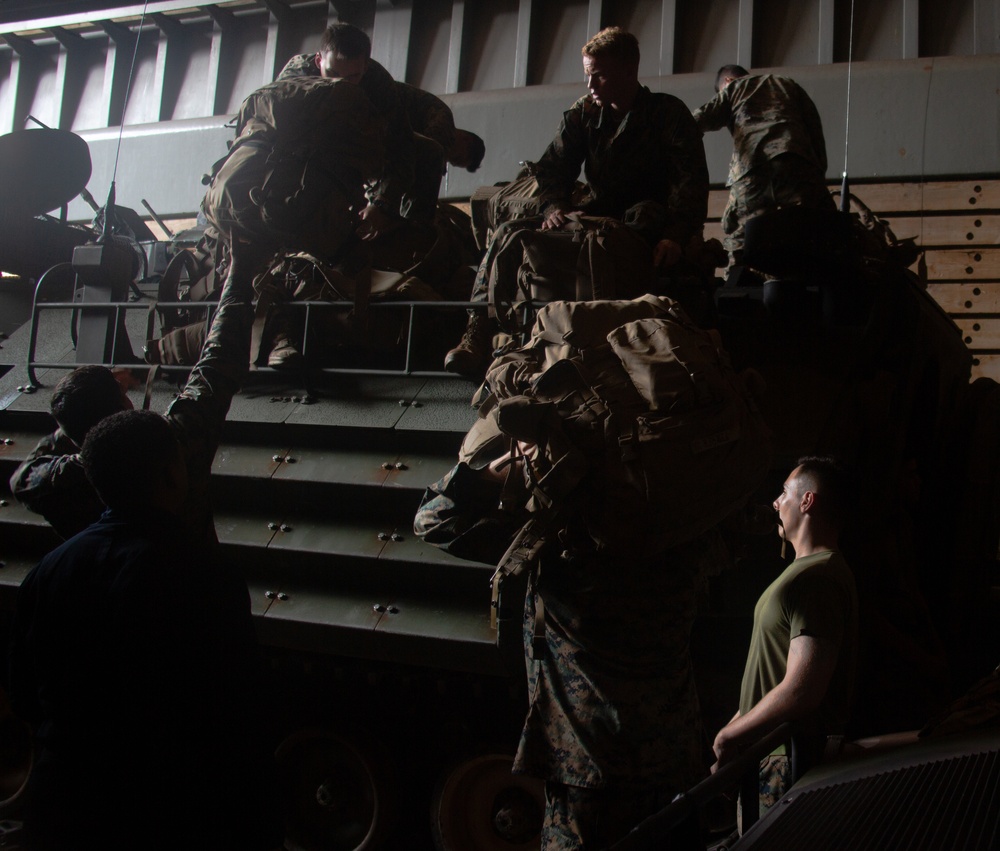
<point>67,38</point>
<point>271,65</point>
<point>117,32</point>
<point>911,29</point>
<point>220,24</point>
<point>523,43</point>
<point>595,17</point>
<point>668,38</point>
<point>391,35</point>
<point>986,25</point>
<point>170,27</point>
<point>276,8</point>
<point>744,36</point>
<point>21,46</point>
<point>453,76</point>
<point>136,10</point>
<point>825,31</point>
<point>222,18</point>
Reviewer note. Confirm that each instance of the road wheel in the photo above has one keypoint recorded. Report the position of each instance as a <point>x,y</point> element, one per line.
<point>338,792</point>
<point>480,806</point>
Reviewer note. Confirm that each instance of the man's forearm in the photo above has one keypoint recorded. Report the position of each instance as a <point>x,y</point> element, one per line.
<point>779,705</point>
<point>807,677</point>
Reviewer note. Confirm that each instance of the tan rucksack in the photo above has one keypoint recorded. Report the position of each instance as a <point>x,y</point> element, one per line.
<point>592,257</point>
<point>646,436</point>
<point>492,206</point>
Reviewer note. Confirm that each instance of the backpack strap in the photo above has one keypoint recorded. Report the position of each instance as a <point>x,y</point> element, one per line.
<point>166,291</point>
<point>150,381</point>
<point>504,256</point>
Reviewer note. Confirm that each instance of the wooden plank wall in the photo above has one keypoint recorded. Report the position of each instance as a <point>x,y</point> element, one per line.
<point>957,224</point>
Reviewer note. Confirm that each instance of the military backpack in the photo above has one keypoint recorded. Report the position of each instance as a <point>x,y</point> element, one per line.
<point>644,436</point>
<point>295,172</point>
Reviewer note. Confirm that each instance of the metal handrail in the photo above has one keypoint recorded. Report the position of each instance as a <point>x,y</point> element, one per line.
<point>208,306</point>
<point>742,771</point>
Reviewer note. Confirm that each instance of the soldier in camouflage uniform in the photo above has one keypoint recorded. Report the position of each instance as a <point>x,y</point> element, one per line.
<point>643,161</point>
<point>613,724</point>
<point>779,154</point>
<point>431,117</point>
<point>413,164</point>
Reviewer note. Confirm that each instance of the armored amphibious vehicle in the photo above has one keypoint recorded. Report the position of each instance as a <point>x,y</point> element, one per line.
<point>395,698</point>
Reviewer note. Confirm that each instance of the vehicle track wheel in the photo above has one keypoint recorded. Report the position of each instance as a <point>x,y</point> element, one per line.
<point>338,792</point>
<point>480,806</point>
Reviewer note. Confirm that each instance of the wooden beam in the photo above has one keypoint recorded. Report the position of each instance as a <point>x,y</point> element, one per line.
<point>713,230</point>
<point>962,195</point>
<point>717,200</point>
<point>453,78</point>
<point>668,36</point>
<point>938,196</point>
<point>979,333</point>
<point>966,298</point>
<point>966,230</point>
<point>953,264</point>
<point>523,43</point>
<point>986,366</point>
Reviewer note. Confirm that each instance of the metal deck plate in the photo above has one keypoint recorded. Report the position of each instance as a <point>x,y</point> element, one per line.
<point>342,466</point>
<point>441,405</point>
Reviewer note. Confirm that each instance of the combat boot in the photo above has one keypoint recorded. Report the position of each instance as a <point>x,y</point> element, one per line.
<point>285,355</point>
<point>474,353</point>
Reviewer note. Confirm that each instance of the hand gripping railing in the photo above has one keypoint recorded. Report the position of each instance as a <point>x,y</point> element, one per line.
<point>676,826</point>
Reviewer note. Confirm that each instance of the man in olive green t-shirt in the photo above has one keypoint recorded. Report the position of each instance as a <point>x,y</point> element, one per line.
<point>803,649</point>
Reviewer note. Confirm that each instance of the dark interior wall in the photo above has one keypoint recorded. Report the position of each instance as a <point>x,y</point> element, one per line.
<point>923,86</point>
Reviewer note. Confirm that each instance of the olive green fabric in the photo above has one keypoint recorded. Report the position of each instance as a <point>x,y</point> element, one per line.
<point>648,436</point>
<point>813,596</point>
<point>654,153</point>
<point>294,178</point>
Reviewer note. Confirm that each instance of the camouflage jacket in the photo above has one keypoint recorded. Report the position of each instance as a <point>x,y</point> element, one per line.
<point>429,115</point>
<point>654,153</point>
<point>613,694</point>
<point>199,412</point>
<point>398,173</point>
<point>768,115</point>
